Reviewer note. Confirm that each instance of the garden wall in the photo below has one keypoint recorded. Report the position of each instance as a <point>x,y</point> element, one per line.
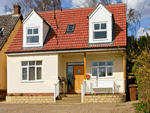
<point>116,98</point>
<point>30,99</point>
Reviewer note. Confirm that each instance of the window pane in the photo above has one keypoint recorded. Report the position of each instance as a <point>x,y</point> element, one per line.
<point>70,28</point>
<point>102,72</point>
<point>32,39</point>
<point>101,63</point>
<point>94,64</point>
<point>31,62</point>
<point>109,71</point>
<point>35,31</point>
<point>24,73</point>
<point>96,26</point>
<point>24,63</point>
<point>79,71</point>
<point>94,71</point>
<point>110,63</point>
<point>29,31</point>
<point>31,73</point>
<point>38,72</point>
<point>38,62</point>
<point>100,34</point>
<point>103,26</point>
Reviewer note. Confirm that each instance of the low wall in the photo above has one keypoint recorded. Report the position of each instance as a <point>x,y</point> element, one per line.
<point>30,99</point>
<point>116,98</point>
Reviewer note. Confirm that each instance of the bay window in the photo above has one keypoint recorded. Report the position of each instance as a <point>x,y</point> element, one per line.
<point>102,69</point>
<point>31,70</point>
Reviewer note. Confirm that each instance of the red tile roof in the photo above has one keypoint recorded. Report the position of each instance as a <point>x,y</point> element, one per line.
<point>79,38</point>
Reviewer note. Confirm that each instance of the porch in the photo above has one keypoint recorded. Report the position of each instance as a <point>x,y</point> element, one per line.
<point>75,66</point>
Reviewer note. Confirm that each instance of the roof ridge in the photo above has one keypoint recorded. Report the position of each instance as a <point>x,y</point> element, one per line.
<point>110,5</point>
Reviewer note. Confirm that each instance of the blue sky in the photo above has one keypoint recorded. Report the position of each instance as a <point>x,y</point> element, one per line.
<point>143,6</point>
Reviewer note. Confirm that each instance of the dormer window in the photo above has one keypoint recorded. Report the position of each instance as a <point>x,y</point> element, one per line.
<point>70,28</point>
<point>99,30</point>
<point>32,35</point>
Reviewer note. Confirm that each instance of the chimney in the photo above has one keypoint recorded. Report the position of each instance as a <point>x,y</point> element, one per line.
<point>17,9</point>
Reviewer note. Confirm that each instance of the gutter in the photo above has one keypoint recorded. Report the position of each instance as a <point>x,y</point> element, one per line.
<point>67,51</point>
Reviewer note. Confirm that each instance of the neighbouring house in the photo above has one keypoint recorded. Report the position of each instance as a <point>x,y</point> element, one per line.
<point>9,25</point>
<point>79,43</point>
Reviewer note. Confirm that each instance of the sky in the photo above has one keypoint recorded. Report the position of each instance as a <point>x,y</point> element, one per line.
<point>143,6</point>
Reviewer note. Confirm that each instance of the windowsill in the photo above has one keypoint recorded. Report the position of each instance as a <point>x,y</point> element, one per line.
<point>32,43</point>
<point>32,81</point>
<point>102,39</point>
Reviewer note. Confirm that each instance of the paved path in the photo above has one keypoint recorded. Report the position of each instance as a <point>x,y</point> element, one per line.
<point>126,107</point>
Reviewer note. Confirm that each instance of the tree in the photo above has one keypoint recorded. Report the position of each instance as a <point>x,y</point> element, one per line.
<point>138,53</point>
<point>133,20</point>
<point>92,3</point>
<point>37,5</point>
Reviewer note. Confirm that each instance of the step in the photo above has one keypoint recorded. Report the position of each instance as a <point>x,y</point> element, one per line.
<point>68,101</point>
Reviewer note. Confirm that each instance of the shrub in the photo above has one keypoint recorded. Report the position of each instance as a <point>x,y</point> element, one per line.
<point>11,95</point>
<point>20,94</point>
<point>141,107</point>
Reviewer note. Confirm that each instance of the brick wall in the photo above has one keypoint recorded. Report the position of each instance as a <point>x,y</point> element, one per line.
<point>30,99</point>
<point>116,98</point>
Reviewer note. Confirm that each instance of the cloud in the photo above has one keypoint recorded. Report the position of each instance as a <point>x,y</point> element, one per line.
<point>138,6</point>
<point>141,33</point>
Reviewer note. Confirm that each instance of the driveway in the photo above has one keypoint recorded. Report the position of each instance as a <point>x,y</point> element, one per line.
<point>126,107</point>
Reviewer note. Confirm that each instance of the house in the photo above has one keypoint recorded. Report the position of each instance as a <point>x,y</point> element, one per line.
<point>79,42</point>
<point>9,25</point>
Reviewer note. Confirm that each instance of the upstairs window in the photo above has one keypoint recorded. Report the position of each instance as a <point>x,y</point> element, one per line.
<point>32,35</point>
<point>99,30</point>
<point>70,28</point>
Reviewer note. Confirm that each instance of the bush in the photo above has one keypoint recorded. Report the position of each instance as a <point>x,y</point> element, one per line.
<point>11,95</point>
<point>141,107</point>
<point>20,94</point>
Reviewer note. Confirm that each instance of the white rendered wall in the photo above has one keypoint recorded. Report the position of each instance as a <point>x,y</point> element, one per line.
<point>49,74</point>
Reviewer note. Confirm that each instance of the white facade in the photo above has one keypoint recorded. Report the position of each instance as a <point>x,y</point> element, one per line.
<point>100,15</point>
<point>49,74</point>
<point>33,20</point>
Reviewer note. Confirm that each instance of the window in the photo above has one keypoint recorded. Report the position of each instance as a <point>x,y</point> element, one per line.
<point>32,35</point>
<point>100,30</point>
<point>31,70</point>
<point>70,28</point>
<point>102,69</point>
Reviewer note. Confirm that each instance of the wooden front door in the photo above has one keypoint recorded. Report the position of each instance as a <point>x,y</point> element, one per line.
<point>78,73</point>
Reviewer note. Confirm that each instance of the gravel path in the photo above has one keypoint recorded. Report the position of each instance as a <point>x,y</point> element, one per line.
<point>126,107</point>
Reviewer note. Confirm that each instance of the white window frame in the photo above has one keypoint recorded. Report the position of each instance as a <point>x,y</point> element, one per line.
<point>100,30</point>
<point>27,67</point>
<point>105,70</point>
<point>32,35</point>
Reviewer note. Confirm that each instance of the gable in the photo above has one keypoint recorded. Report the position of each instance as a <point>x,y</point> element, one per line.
<point>99,10</point>
<point>32,19</point>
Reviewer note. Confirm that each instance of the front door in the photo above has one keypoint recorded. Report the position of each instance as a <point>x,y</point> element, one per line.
<point>75,76</point>
<point>78,78</point>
